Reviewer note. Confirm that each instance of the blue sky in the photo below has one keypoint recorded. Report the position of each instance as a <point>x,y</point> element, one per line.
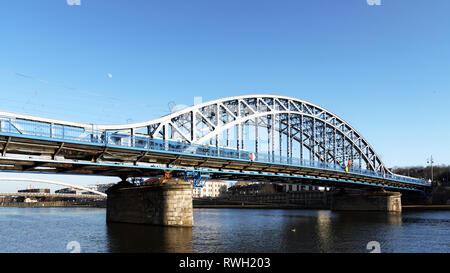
<point>384,69</point>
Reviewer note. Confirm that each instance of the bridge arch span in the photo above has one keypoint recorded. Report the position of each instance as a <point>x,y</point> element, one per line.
<point>318,133</point>
<point>267,124</point>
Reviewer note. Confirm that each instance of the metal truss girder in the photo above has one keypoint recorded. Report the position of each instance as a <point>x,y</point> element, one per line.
<point>235,111</point>
<point>243,119</point>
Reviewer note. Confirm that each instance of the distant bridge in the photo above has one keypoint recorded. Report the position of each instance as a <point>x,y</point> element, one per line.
<point>266,138</point>
<point>51,182</point>
<point>43,194</point>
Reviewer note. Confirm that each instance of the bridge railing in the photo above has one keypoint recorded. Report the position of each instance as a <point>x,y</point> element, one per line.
<point>66,132</point>
<point>44,129</point>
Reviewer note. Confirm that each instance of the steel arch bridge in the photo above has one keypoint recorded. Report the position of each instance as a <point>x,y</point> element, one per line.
<point>255,137</point>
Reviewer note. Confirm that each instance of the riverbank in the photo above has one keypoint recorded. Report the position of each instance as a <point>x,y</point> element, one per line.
<point>212,203</point>
<point>216,205</point>
<point>287,206</point>
<point>57,204</point>
<point>249,206</point>
<point>289,200</point>
<point>226,204</point>
<point>425,207</point>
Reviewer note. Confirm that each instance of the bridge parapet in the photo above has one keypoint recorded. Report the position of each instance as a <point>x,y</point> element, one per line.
<point>68,133</point>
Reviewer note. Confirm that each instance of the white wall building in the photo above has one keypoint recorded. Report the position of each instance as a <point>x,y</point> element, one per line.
<point>212,188</point>
<point>72,191</point>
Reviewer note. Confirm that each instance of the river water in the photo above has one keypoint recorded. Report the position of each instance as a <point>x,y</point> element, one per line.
<point>48,230</point>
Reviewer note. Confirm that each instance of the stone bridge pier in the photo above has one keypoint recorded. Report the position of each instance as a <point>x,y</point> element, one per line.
<point>167,203</point>
<point>366,201</point>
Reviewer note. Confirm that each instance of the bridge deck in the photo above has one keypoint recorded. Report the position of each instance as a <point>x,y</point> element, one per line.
<point>27,153</point>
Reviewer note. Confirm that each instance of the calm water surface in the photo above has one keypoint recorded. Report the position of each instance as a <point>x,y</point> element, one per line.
<point>226,230</point>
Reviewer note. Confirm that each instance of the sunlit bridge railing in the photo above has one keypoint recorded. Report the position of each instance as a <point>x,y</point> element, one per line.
<point>61,132</point>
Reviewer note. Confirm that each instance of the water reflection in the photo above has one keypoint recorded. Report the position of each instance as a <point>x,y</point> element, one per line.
<point>293,230</point>
<point>394,218</point>
<point>324,230</point>
<point>351,231</point>
<point>368,217</point>
<point>124,237</point>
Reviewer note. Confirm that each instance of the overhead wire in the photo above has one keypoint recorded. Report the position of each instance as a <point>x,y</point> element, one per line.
<point>107,101</point>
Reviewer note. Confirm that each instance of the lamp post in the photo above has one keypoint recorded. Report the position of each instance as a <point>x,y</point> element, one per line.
<point>430,161</point>
<point>448,172</point>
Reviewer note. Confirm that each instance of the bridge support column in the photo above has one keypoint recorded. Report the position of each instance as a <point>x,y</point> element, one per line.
<point>167,204</point>
<point>368,201</point>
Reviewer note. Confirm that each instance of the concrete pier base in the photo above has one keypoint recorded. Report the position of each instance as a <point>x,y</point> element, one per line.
<point>167,204</point>
<point>369,201</point>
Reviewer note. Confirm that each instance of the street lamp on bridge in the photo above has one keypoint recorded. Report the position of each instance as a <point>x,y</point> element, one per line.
<point>430,161</point>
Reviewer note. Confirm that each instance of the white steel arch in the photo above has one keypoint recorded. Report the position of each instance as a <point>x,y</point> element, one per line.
<point>327,136</point>
<point>280,122</point>
<point>50,182</point>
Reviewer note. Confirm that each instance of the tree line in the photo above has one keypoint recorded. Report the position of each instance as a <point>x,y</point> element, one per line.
<point>441,173</point>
